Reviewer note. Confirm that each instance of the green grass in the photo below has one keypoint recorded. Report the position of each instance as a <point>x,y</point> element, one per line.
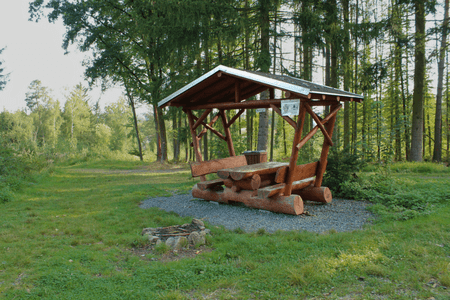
<point>68,236</point>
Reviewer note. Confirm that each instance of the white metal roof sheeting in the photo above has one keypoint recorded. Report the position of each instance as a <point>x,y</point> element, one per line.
<point>242,74</point>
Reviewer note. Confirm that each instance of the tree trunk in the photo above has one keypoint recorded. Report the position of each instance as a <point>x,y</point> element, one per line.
<point>174,137</point>
<point>419,78</point>
<point>205,143</point>
<point>163,135</point>
<point>355,89</point>
<point>264,64</point>
<point>347,74</point>
<point>437,152</point>
<point>158,135</point>
<point>179,113</point>
<point>135,122</point>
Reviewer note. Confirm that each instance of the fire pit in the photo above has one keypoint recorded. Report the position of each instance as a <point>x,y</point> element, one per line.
<point>178,236</point>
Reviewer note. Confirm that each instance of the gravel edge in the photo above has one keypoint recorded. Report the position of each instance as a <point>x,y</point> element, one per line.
<point>339,215</point>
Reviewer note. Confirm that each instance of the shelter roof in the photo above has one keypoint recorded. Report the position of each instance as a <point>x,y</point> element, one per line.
<point>224,84</point>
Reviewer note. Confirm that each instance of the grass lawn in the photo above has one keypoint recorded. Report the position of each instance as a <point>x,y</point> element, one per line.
<point>71,235</point>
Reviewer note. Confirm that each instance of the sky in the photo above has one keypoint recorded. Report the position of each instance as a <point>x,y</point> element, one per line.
<point>34,51</point>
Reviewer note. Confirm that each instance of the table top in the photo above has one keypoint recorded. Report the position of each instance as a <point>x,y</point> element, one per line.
<point>258,167</point>
<point>243,172</point>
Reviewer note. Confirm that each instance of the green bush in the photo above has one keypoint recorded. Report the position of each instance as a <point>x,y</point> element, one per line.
<point>6,195</point>
<point>342,167</point>
<point>14,170</point>
<point>395,196</point>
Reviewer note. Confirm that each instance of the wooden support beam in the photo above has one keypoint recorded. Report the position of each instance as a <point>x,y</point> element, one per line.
<point>307,137</point>
<point>237,91</point>
<point>212,129</point>
<point>195,139</point>
<point>232,105</point>
<point>253,104</point>
<point>229,140</point>
<point>321,102</point>
<point>202,118</point>
<point>233,119</point>
<point>314,130</point>
<point>202,133</point>
<point>325,149</point>
<point>294,153</point>
<point>241,105</point>
<point>286,118</point>
<point>319,123</point>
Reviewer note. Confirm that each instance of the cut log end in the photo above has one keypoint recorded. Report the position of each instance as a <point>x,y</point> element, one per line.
<point>317,194</point>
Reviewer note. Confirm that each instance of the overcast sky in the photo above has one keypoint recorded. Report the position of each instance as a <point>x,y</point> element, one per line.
<point>33,51</point>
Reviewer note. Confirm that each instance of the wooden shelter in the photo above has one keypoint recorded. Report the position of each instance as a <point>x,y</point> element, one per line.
<point>250,179</point>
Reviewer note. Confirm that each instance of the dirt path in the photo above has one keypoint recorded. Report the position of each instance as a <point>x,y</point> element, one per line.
<point>144,171</point>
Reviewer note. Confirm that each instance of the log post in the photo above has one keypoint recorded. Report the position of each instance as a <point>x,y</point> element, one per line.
<point>195,139</point>
<point>294,153</point>
<point>325,149</point>
<point>237,91</point>
<point>226,127</point>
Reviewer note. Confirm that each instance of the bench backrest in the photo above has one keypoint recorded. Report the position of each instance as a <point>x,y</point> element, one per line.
<point>212,166</point>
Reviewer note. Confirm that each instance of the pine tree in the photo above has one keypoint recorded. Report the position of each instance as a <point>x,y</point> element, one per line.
<point>419,78</point>
<point>437,153</point>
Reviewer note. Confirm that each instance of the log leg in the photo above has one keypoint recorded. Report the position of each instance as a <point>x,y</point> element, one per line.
<point>325,149</point>
<point>226,127</point>
<point>294,154</point>
<point>195,139</point>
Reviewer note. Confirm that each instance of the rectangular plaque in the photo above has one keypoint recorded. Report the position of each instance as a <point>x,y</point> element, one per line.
<point>290,107</point>
<point>260,110</point>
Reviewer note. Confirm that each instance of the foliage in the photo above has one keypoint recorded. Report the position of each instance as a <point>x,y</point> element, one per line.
<point>14,171</point>
<point>342,167</point>
<point>404,199</point>
<point>69,236</point>
<point>6,194</point>
<point>3,77</point>
<point>77,117</point>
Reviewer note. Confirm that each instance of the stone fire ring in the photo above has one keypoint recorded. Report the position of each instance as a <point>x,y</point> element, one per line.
<point>178,236</point>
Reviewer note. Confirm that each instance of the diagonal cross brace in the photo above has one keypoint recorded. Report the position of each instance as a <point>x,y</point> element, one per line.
<point>210,128</point>
<point>287,119</point>
<point>319,123</point>
<point>314,130</point>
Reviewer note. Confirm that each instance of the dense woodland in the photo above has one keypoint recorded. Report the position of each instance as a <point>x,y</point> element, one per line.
<point>392,52</point>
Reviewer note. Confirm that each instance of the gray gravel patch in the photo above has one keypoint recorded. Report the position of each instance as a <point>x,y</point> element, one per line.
<point>340,214</point>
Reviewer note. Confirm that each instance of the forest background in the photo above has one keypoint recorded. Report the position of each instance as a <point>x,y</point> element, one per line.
<point>387,51</point>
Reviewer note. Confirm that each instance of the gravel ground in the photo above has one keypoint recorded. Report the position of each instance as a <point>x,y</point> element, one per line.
<point>340,214</point>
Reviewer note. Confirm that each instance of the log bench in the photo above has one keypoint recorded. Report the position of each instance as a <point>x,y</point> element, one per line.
<point>212,166</point>
<point>260,185</point>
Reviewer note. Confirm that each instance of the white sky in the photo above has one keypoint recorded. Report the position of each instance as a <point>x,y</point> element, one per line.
<point>33,51</point>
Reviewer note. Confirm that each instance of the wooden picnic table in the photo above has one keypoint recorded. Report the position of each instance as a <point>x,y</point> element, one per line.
<point>243,172</point>
<point>263,185</point>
